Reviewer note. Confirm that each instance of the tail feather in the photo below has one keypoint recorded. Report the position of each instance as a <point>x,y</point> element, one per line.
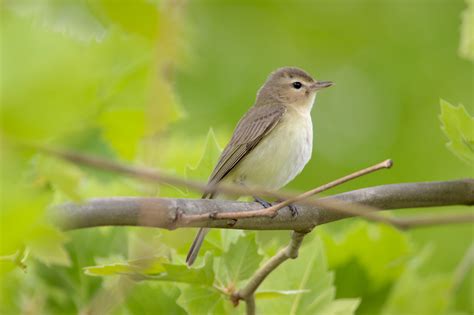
<point>194,250</point>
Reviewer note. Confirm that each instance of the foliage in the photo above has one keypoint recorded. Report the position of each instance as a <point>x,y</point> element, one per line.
<point>119,81</point>
<point>458,126</point>
<point>466,48</point>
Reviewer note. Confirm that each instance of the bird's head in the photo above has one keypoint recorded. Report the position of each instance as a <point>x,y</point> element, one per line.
<point>290,86</point>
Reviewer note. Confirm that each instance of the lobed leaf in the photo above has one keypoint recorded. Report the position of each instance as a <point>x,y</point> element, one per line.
<point>458,126</point>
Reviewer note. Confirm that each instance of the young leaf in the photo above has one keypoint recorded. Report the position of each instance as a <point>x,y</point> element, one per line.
<point>271,294</point>
<point>363,241</point>
<point>415,293</point>
<point>153,298</point>
<point>307,273</point>
<point>123,128</point>
<point>466,46</point>
<point>458,126</point>
<point>240,261</point>
<point>72,18</point>
<point>208,159</point>
<point>133,268</point>
<point>200,301</point>
<point>65,177</point>
<point>158,269</point>
<point>200,275</point>
<point>46,243</point>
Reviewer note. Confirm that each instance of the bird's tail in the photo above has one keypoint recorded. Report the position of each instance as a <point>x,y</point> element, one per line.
<point>194,250</point>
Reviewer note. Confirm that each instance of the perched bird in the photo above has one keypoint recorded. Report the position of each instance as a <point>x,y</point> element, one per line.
<point>272,142</point>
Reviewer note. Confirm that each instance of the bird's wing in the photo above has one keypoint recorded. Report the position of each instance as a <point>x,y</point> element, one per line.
<point>250,130</point>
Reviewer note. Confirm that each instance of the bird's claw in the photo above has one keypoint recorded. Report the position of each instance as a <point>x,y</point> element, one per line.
<point>293,210</point>
<point>264,203</point>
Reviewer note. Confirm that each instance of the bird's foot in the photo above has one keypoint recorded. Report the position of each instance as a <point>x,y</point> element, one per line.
<point>293,209</point>
<point>264,203</point>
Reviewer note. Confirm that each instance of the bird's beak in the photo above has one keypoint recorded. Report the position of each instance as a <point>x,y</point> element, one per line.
<point>318,85</point>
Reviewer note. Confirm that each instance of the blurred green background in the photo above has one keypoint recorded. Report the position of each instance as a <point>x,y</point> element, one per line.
<point>144,81</point>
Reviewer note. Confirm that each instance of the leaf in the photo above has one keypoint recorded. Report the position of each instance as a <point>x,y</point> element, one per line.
<point>133,268</point>
<point>123,128</point>
<point>272,294</point>
<point>200,275</point>
<point>46,243</point>
<point>65,177</point>
<point>308,273</point>
<point>458,126</point>
<point>72,18</point>
<point>241,260</point>
<point>153,298</point>
<point>208,159</point>
<point>466,46</point>
<point>199,301</point>
<point>418,294</point>
<point>125,16</point>
<point>158,269</point>
<point>364,241</point>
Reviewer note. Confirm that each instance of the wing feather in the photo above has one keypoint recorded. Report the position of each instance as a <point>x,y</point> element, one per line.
<point>250,130</point>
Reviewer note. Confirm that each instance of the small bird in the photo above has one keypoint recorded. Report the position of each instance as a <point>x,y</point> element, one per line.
<point>272,142</point>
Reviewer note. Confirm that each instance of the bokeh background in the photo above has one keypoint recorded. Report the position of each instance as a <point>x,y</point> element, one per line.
<point>163,83</point>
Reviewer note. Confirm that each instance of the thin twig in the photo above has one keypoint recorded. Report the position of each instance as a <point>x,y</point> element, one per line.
<point>382,165</point>
<point>156,176</point>
<point>431,220</point>
<point>168,213</point>
<point>290,251</point>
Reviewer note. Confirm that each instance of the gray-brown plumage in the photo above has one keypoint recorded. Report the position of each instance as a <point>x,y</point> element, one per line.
<point>272,142</point>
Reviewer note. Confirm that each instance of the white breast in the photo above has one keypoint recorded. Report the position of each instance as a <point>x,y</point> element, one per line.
<point>280,156</point>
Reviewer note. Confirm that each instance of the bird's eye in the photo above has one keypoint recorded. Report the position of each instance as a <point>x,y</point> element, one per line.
<point>297,85</point>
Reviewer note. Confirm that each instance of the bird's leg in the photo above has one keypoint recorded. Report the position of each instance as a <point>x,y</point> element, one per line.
<point>264,203</point>
<point>293,209</point>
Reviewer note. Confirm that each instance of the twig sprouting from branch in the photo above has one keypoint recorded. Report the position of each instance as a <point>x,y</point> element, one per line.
<point>290,251</point>
<point>385,164</point>
<point>344,208</point>
<point>171,213</point>
<point>155,176</point>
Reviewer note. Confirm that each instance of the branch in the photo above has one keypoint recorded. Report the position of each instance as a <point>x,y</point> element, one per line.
<point>247,292</point>
<point>272,211</point>
<point>173,213</point>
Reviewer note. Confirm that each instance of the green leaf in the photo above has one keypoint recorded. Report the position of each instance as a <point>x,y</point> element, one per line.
<point>200,301</point>
<point>46,243</point>
<point>200,275</point>
<point>361,243</point>
<point>123,128</point>
<point>65,177</point>
<point>158,269</point>
<point>207,161</point>
<point>415,293</point>
<point>71,18</point>
<point>306,273</point>
<point>124,15</point>
<point>153,298</point>
<point>240,261</point>
<point>466,46</point>
<point>133,267</point>
<point>458,126</point>
<point>272,294</point>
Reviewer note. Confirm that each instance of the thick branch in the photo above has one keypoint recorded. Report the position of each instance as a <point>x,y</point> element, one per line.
<point>171,213</point>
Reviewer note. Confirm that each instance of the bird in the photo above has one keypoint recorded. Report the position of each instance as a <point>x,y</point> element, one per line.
<point>272,142</point>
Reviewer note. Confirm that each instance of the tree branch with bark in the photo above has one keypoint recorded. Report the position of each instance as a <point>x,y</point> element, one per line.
<point>172,213</point>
